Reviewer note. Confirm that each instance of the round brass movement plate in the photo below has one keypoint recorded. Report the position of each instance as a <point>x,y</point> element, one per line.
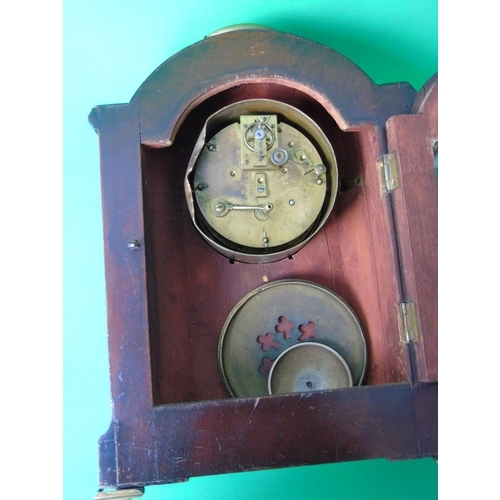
<point>275,317</point>
<point>261,181</point>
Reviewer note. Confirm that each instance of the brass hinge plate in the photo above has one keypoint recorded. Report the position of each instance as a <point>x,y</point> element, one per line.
<point>388,171</point>
<point>409,330</point>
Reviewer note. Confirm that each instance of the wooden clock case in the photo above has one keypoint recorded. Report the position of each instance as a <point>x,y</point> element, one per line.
<point>169,293</point>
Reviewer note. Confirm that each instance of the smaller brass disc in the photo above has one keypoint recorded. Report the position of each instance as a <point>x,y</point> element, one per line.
<point>308,367</point>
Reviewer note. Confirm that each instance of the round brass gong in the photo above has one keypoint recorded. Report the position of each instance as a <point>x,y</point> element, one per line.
<point>276,316</point>
<point>308,367</point>
<point>261,181</point>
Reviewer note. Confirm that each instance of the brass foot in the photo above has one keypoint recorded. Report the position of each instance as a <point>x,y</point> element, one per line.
<point>127,494</point>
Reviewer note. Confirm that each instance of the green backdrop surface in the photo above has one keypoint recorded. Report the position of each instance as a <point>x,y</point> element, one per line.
<point>110,48</point>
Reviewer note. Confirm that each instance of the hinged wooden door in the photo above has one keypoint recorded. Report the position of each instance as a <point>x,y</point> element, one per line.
<point>414,139</point>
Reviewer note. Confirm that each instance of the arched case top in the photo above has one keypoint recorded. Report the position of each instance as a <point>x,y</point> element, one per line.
<point>234,58</point>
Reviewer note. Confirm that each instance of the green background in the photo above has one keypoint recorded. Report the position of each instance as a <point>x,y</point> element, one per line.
<point>110,48</point>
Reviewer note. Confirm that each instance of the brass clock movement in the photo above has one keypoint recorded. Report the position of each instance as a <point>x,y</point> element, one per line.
<point>262,180</point>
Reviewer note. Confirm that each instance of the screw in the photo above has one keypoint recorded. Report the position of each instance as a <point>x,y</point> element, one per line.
<point>134,244</point>
<point>260,133</point>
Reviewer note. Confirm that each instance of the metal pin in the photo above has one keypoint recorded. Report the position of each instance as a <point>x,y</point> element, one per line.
<point>265,239</point>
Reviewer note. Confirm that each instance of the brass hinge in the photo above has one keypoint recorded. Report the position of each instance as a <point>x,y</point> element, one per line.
<point>409,330</point>
<point>388,170</point>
